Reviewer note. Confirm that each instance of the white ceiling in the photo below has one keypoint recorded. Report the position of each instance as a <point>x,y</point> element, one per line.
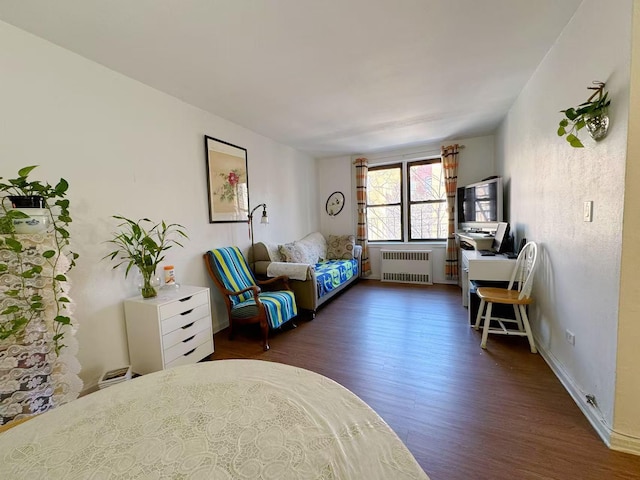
<point>328,77</point>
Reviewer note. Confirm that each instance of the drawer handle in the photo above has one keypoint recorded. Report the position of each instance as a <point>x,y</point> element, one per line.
<point>189,353</point>
<point>188,326</point>
<point>186,299</point>
<point>188,339</point>
<point>187,312</point>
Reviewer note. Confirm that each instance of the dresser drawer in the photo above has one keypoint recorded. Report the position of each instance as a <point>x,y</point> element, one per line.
<point>174,328</point>
<point>184,318</point>
<point>183,305</point>
<point>193,356</point>
<point>171,353</point>
<point>186,331</point>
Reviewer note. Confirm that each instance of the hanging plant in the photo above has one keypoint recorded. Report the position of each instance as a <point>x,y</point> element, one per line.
<point>593,114</point>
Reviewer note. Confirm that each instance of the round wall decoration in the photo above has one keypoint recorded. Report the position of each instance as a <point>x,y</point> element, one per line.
<point>335,202</point>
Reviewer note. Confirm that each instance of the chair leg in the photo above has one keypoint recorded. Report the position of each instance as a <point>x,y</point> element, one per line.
<point>485,330</point>
<point>264,326</point>
<point>479,315</point>
<point>518,317</point>
<point>527,327</point>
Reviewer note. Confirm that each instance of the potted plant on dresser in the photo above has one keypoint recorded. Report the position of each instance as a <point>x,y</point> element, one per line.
<point>143,244</point>
<point>37,344</point>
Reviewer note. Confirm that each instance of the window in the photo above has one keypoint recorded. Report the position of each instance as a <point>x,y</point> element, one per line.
<point>425,199</point>
<point>384,203</point>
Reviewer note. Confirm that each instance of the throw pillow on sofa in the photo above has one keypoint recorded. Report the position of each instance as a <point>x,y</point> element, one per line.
<point>297,252</point>
<point>273,252</point>
<point>340,247</point>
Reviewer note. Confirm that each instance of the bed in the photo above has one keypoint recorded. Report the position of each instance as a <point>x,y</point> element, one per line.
<point>226,419</point>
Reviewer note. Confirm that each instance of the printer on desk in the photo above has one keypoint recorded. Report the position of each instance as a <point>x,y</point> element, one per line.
<point>487,244</point>
<point>475,241</point>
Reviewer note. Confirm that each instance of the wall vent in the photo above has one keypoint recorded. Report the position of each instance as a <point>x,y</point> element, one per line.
<point>407,266</point>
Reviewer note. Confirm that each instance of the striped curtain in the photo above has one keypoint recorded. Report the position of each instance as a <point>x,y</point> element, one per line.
<point>450,167</point>
<point>362,169</point>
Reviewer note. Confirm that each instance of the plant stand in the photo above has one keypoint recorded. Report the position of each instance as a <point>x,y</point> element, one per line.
<point>25,373</point>
<point>33,378</point>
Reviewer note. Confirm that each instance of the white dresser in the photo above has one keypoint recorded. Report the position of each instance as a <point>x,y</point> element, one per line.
<point>172,329</point>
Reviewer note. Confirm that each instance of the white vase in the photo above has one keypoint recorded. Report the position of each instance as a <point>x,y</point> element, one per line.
<point>38,220</point>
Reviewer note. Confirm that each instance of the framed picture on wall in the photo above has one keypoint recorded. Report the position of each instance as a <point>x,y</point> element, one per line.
<point>227,181</point>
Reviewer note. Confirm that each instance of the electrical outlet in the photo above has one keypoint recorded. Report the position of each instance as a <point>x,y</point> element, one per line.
<point>588,211</point>
<point>570,337</point>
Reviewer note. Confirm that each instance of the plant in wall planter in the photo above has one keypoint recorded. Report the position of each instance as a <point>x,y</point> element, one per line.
<point>31,203</point>
<point>142,244</point>
<point>592,114</point>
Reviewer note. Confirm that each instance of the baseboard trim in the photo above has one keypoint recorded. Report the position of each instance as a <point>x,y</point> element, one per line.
<point>594,416</point>
<point>611,438</point>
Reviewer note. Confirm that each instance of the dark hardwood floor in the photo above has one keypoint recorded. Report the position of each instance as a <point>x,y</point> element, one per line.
<point>464,413</point>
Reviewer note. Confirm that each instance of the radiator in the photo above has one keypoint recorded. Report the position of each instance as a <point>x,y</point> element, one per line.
<point>407,266</point>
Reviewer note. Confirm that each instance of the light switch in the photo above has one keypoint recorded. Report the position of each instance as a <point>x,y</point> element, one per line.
<point>588,211</point>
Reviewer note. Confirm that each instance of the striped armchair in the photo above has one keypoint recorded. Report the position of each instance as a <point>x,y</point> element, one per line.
<point>246,302</point>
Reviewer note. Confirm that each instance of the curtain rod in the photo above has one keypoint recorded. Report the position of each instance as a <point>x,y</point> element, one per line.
<point>403,155</point>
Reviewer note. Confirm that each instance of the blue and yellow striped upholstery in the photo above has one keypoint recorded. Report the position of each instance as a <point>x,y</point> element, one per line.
<point>235,275</point>
<point>233,272</point>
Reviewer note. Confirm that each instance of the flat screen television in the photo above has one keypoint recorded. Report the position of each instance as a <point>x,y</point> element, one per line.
<point>479,205</point>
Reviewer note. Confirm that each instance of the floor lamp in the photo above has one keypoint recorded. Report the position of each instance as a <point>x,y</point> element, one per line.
<point>264,220</point>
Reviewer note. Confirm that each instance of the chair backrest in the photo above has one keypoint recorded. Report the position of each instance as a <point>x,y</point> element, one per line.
<point>524,270</point>
<point>232,271</point>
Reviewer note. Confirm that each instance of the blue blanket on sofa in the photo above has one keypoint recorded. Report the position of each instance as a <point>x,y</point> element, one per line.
<point>333,273</point>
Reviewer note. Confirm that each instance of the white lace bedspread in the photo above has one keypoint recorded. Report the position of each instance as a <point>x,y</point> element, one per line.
<point>226,419</point>
<point>295,271</point>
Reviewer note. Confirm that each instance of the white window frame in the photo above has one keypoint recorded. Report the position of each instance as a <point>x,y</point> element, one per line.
<point>405,204</point>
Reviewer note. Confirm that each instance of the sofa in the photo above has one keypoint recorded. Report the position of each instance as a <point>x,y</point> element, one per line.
<point>318,268</point>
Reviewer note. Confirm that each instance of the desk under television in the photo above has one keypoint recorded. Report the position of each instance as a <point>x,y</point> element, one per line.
<point>480,268</point>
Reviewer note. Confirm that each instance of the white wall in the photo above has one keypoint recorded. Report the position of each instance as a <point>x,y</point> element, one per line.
<point>128,149</point>
<point>335,174</point>
<point>577,283</point>
<point>476,161</point>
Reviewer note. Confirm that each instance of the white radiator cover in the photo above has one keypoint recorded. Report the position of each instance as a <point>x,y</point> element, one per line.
<point>407,266</point>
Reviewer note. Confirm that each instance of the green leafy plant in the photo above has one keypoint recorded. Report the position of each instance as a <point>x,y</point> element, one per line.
<point>26,300</point>
<point>22,186</point>
<point>142,244</point>
<point>576,118</point>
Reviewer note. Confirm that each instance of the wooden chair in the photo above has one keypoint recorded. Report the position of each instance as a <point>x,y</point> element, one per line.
<point>246,302</point>
<point>519,298</point>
